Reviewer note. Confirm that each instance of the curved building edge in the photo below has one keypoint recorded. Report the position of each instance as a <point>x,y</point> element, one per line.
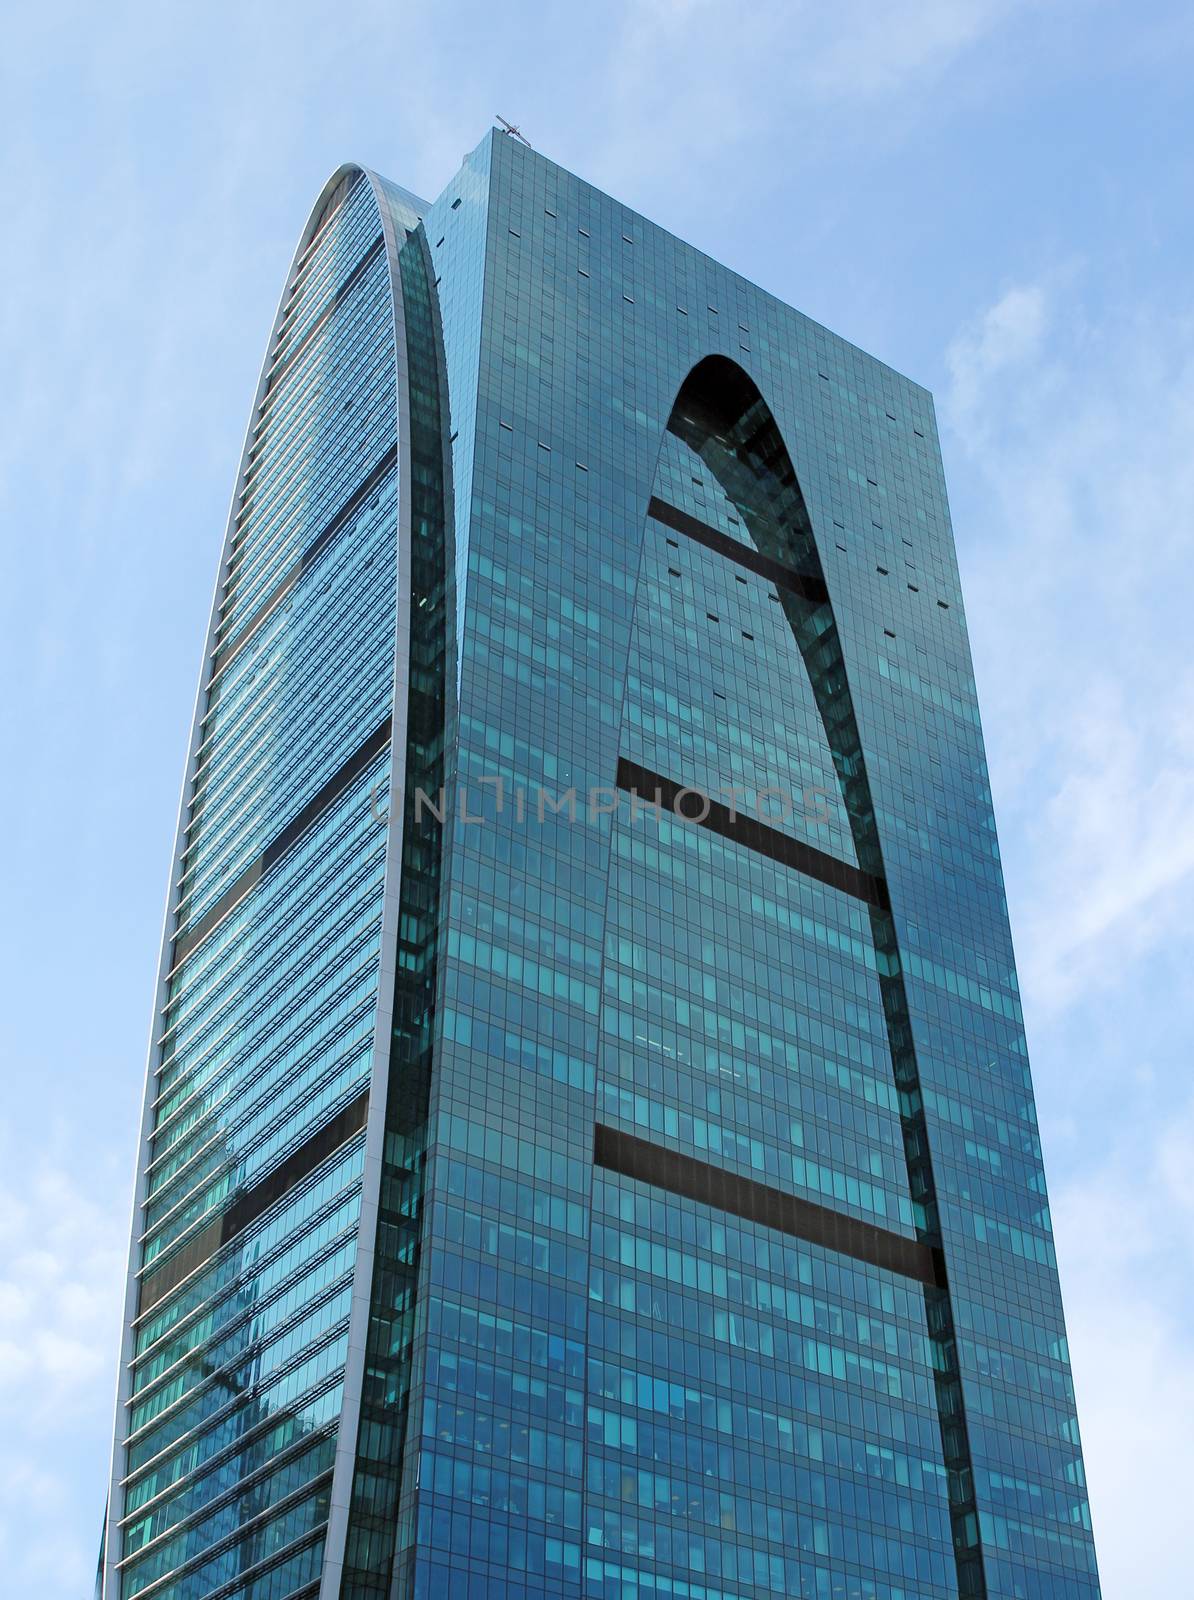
<point>107,1584</point>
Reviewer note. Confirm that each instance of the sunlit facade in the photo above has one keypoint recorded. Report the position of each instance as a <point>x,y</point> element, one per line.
<point>589,1144</point>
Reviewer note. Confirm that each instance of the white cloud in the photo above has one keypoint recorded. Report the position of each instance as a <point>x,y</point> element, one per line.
<point>1127,1252</point>
<point>1074,524</point>
<point>780,82</point>
<point>1007,335</point>
<point>61,1275</point>
<point>872,49</point>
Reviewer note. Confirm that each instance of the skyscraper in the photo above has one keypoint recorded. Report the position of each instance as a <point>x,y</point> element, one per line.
<point>589,1143</point>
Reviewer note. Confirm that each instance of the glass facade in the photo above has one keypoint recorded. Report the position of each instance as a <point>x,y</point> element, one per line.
<point>589,1146</point>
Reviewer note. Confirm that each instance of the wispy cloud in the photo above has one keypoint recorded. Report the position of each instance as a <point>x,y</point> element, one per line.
<point>1126,1249</point>
<point>61,1258</point>
<point>1076,539</point>
<point>1006,337</point>
<point>809,69</point>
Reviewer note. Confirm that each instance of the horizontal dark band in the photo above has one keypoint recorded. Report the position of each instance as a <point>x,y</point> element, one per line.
<point>250,1205</point>
<point>812,589</point>
<point>311,554</point>
<point>759,1202</point>
<point>695,806</point>
<point>186,940</point>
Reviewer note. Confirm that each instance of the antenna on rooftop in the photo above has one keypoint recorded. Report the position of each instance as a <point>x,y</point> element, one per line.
<point>515,133</point>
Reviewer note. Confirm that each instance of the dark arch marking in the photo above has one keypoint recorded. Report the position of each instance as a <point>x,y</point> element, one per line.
<point>721,415</point>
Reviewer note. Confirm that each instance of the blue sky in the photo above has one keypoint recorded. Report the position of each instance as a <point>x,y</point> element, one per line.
<point>992,196</point>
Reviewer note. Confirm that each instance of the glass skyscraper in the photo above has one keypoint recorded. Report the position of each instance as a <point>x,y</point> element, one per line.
<point>589,1144</point>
